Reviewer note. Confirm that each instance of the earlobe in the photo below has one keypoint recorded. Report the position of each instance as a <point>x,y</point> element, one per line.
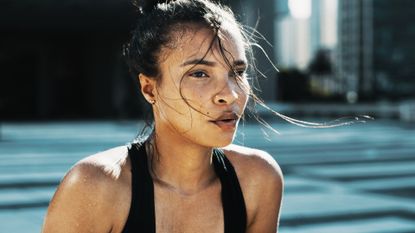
<point>147,87</point>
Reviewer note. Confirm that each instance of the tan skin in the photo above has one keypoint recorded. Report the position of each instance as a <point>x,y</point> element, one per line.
<point>95,195</point>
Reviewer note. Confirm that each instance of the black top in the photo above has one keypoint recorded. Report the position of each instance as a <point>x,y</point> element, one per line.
<point>142,214</point>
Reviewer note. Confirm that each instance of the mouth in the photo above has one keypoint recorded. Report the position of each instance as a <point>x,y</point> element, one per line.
<point>227,121</point>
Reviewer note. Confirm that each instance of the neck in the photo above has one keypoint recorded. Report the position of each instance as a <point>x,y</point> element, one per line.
<point>180,165</point>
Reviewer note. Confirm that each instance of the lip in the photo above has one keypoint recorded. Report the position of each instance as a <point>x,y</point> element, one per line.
<point>226,121</point>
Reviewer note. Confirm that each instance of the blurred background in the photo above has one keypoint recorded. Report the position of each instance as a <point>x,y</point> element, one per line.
<point>65,92</point>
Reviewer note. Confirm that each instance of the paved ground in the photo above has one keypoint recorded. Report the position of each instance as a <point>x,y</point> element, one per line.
<point>354,179</point>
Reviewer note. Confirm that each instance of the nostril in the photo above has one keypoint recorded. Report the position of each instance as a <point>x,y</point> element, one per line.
<point>222,101</point>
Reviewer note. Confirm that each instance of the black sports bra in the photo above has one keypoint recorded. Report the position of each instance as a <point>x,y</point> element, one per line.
<point>142,214</point>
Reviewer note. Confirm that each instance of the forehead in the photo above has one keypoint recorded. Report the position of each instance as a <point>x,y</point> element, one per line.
<point>200,42</point>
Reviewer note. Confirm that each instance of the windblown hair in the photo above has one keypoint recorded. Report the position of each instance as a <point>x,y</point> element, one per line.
<point>158,20</point>
<point>157,24</point>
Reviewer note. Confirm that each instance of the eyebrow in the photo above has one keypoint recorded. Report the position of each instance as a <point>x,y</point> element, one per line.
<point>239,63</point>
<point>199,61</point>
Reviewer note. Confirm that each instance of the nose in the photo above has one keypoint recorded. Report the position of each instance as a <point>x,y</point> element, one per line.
<point>228,94</point>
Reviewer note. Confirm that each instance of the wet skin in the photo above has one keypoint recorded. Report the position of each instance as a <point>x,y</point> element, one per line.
<point>197,108</point>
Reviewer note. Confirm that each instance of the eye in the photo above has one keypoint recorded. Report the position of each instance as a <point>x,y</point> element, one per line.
<point>199,74</point>
<point>240,73</point>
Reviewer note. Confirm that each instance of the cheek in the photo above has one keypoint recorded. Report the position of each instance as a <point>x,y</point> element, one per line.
<point>244,91</point>
<point>243,100</point>
<point>197,95</point>
<point>245,85</point>
<point>180,103</point>
<point>170,103</point>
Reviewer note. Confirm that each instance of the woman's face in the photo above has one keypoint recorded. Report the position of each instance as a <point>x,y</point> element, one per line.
<point>200,96</point>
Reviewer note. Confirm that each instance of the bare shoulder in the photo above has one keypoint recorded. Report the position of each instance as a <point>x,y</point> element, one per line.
<point>91,188</point>
<point>257,171</point>
<point>250,160</point>
<point>107,164</point>
<point>106,168</point>
<point>262,184</point>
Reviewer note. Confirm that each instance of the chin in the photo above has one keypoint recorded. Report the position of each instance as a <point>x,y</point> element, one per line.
<point>224,142</point>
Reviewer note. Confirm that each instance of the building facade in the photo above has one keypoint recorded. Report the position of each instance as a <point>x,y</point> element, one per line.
<point>63,59</point>
<point>376,48</point>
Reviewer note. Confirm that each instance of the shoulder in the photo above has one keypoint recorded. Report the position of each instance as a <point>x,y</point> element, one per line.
<point>253,162</point>
<point>108,164</point>
<point>107,168</point>
<point>262,184</point>
<point>92,186</point>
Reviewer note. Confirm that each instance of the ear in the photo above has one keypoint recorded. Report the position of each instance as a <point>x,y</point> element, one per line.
<point>147,87</point>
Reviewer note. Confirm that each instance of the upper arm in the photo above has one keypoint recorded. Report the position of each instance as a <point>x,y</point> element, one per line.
<point>79,203</point>
<point>268,194</point>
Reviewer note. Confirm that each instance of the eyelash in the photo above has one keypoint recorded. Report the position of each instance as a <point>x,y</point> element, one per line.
<point>193,74</point>
<point>240,73</point>
<point>202,74</point>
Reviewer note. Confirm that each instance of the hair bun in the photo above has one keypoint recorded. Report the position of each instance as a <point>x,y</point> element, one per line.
<point>146,6</point>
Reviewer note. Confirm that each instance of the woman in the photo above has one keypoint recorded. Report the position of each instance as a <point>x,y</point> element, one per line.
<point>190,60</point>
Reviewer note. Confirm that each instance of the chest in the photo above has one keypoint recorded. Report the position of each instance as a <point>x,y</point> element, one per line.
<point>181,213</point>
